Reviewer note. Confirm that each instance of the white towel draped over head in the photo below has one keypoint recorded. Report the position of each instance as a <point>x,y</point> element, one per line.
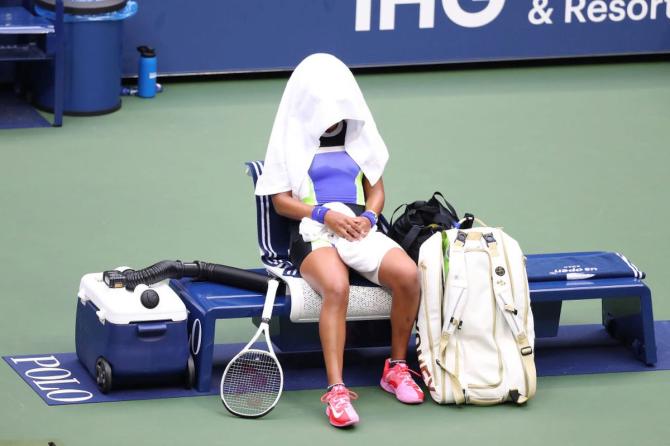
<point>321,92</point>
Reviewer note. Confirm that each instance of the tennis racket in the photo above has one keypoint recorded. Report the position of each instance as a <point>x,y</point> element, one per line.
<point>253,380</point>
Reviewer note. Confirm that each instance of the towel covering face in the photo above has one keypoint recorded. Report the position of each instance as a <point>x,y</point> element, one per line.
<point>321,92</point>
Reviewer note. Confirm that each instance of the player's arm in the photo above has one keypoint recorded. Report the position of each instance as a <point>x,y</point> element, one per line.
<point>374,203</point>
<point>374,196</point>
<point>288,206</point>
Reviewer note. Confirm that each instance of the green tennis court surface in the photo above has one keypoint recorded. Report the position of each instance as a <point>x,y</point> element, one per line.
<point>565,158</point>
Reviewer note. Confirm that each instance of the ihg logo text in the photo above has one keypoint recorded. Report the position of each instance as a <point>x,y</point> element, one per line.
<point>452,8</point>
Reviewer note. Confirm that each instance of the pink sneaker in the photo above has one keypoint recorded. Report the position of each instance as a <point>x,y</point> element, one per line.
<point>339,410</point>
<point>398,380</point>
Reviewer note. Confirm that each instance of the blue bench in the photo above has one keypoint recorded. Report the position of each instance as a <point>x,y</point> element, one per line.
<point>626,315</point>
<point>626,310</point>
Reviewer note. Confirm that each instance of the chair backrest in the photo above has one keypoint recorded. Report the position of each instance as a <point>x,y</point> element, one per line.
<point>272,229</point>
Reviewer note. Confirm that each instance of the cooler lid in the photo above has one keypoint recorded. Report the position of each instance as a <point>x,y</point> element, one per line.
<point>84,7</point>
<point>120,306</point>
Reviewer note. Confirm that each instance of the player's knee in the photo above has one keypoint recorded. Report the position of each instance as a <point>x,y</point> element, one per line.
<point>405,281</point>
<point>336,291</point>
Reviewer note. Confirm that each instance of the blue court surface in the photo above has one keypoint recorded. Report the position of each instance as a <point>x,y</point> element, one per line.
<point>577,350</point>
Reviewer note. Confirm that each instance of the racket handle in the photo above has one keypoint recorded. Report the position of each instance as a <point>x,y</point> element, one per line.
<point>273,284</point>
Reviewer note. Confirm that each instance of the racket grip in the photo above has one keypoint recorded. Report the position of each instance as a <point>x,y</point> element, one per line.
<point>273,284</point>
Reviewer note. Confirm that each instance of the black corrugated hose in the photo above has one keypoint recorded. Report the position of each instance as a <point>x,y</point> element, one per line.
<point>212,272</point>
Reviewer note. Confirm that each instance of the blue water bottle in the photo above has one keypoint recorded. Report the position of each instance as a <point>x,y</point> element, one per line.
<point>146,82</point>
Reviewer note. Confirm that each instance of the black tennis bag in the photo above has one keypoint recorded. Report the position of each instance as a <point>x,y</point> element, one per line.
<point>422,219</point>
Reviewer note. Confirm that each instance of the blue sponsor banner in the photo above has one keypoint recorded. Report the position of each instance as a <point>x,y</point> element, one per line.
<point>219,36</point>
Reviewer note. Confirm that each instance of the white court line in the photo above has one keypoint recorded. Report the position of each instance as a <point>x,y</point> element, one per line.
<point>233,295</point>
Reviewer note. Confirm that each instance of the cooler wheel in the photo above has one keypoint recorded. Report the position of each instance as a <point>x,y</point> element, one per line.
<point>103,375</point>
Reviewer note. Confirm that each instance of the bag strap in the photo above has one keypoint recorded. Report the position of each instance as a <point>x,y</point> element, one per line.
<point>394,212</point>
<point>411,209</point>
<point>453,311</point>
<point>446,203</point>
<point>502,289</point>
<point>409,238</point>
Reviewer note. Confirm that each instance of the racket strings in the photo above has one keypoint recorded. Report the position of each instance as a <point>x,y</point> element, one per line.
<point>252,383</point>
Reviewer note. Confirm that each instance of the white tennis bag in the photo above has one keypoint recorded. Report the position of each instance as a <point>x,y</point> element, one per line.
<point>475,334</point>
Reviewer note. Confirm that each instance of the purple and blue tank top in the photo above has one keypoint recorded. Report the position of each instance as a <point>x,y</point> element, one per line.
<point>334,175</point>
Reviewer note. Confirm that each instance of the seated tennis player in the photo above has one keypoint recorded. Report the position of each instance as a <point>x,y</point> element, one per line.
<point>323,169</point>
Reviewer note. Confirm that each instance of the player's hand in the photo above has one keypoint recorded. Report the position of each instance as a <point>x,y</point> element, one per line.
<point>343,225</point>
<point>363,225</point>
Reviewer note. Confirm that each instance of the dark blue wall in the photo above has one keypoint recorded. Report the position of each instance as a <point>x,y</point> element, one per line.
<point>259,35</point>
